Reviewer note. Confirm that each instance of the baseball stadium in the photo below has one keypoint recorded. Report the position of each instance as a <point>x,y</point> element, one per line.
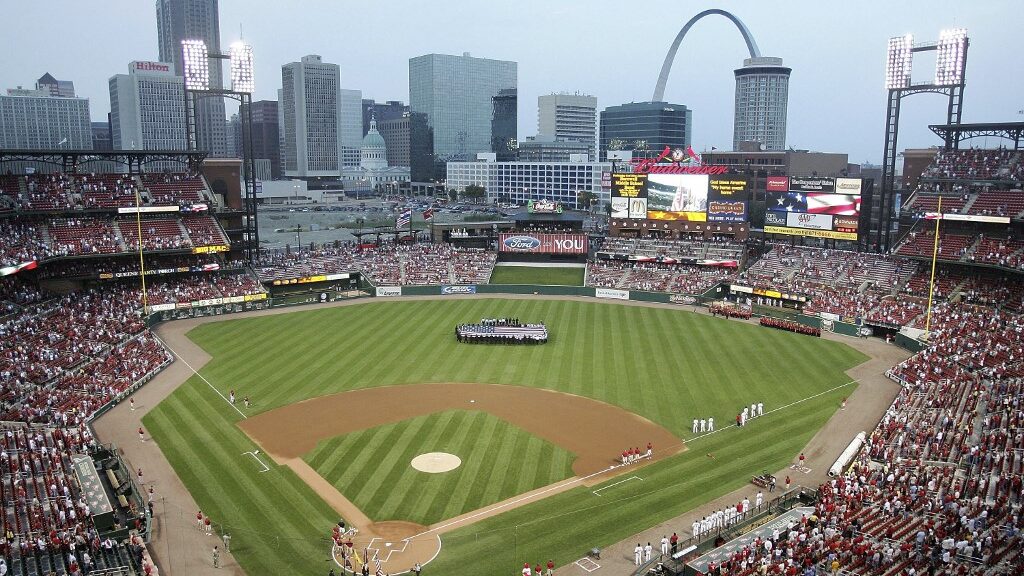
<point>680,385</point>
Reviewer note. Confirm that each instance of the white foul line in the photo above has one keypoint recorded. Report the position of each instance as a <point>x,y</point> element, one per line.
<point>730,427</point>
<point>558,486</point>
<point>616,484</point>
<point>185,362</point>
<point>253,454</point>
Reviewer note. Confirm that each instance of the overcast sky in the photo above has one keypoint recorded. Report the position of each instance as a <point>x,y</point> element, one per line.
<point>612,50</point>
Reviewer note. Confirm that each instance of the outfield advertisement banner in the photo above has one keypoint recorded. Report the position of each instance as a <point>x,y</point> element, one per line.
<point>458,290</point>
<point>389,291</point>
<point>777,184</point>
<point>809,221</point>
<point>832,235</point>
<point>611,293</point>
<point>543,243</point>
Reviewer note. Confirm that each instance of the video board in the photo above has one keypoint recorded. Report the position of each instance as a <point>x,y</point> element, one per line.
<point>728,198</point>
<point>677,197</point>
<point>629,195</point>
<point>683,197</point>
<point>822,207</point>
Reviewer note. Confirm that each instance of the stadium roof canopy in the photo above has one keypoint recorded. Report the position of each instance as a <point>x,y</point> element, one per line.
<point>70,160</point>
<point>960,132</point>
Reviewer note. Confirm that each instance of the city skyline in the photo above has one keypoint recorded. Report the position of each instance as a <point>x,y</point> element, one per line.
<point>837,96</point>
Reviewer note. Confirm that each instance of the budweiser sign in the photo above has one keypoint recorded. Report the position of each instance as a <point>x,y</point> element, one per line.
<point>651,166</point>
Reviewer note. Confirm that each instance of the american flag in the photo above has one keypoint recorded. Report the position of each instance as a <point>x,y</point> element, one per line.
<point>379,571</point>
<point>403,219</point>
<point>835,204</point>
<point>788,202</point>
<point>428,214</point>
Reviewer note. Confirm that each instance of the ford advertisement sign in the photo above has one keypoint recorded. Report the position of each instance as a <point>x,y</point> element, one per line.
<point>458,290</point>
<point>543,243</point>
<point>521,243</point>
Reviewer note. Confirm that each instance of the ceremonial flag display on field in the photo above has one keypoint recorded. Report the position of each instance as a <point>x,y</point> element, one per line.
<point>8,270</point>
<point>403,219</point>
<point>428,214</point>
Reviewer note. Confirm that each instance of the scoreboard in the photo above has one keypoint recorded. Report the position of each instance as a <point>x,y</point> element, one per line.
<point>822,207</point>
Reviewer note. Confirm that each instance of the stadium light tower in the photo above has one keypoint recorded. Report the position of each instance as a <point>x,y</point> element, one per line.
<point>196,58</point>
<point>950,69</point>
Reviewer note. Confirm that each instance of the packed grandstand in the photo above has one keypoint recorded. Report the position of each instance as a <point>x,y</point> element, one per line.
<point>940,478</point>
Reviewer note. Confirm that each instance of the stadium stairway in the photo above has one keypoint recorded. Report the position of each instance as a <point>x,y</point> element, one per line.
<point>624,280</point>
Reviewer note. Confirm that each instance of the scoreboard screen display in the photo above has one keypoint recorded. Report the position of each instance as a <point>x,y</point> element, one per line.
<point>822,207</point>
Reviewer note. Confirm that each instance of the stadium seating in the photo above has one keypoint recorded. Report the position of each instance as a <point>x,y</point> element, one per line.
<point>203,230</point>
<point>975,164</point>
<point>157,234</point>
<point>174,189</point>
<point>81,236</point>
<point>999,203</point>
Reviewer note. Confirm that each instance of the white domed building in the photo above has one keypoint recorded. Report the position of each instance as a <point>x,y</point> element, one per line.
<point>373,172</point>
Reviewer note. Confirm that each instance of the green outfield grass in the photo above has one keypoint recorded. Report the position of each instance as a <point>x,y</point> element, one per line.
<point>664,364</point>
<point>540,275</point>
<point>371,467</point>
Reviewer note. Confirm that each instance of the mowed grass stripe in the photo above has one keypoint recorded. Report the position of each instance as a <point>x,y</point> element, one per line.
<point>600,350</point>
<point>486,444</point>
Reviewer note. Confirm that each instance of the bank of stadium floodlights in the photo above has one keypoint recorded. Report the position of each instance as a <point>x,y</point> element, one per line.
<point>950,72</point>
<point>196,58</point>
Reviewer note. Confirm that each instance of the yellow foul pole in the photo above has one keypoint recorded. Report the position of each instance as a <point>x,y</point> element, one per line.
<point>931,283</point>
<point>142,263</point>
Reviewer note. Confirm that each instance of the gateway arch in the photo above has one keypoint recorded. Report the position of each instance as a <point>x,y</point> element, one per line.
<point>659,89</point>
<point>762,89</point>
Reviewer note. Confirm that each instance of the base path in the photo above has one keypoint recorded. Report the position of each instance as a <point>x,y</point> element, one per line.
<point>594,431</point>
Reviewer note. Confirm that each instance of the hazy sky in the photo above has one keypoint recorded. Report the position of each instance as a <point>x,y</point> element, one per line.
<point>612,50</point>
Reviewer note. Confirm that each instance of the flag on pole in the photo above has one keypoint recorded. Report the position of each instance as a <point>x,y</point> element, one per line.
<point>378,569</point>
<point>404,219</point>
<point>428,214</point>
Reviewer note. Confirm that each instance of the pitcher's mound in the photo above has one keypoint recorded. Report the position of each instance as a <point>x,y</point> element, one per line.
<point>436,462</point>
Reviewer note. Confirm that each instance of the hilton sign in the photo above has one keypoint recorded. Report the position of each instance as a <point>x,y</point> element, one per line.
<point>651,166</point>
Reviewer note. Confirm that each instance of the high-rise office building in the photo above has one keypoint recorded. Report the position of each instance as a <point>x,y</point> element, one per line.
<point>645,128</point>
<point>265,134</point>
<point>311,106</point>
<point>62,88</point>
<point>382,112</point>
<point>147,108</point>
<point>101,136</point>
<point>38,119</point>
<point>396,138</point>
<point>350,105</point>
<point>504,123</point>
<point>568,117</point>
<point>457,96</point>
<point>178,20</point>
<point>762,96</point>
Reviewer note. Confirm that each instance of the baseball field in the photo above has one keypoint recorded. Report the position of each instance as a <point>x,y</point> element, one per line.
<point>540,275</point>
<point>343,398</point>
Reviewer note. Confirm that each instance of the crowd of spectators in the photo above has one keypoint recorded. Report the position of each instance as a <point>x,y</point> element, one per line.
<point>386,265</point>
<point>976,164</point>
